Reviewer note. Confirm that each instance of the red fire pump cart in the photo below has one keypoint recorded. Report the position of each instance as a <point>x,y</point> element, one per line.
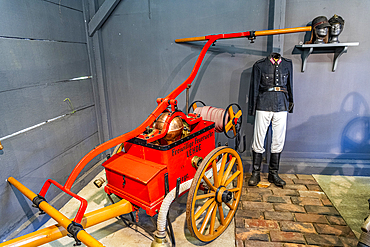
<point>169,154</point>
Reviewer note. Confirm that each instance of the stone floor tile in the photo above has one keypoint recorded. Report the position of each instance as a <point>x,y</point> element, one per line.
<point>334,230</point>
<point>239,222</point>
<point>349,242</point>
<point>289,226</point>
<point>313,187</point>
<point>251,243</point>
<point>296,187</point>
<point>258,206</point>
<point>299,245</point>
<point>321,210</point>
<point>249,214</point>
<point>289,207</point>
<point>323,240</point>
<point>326,202</point>
<point>316,194</point>
<point>305,176</point>
<point>279,216</point>
<point>261,191</point>
<point>276,199</point>
<point>284,192</point>
<point>251,234</point>
<point>291,176</point>
<point>287,237</point>
<point>239,243</point>
<point>313,218</point>
<point>306,201</point>
<point>304,181</point>
<point>261,224</point>
<point>336,220</point>
<point>252,196</point>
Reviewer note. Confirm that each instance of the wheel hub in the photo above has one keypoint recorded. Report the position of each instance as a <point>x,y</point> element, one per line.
<point>223,195</point>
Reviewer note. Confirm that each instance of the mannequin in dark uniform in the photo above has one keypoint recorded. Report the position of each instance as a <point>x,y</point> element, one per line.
<point>270,99</point>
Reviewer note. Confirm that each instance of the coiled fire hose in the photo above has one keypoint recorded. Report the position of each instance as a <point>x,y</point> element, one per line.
<point>213,114</point>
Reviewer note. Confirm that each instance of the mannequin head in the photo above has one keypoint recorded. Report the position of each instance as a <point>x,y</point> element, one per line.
<point>320,27</point>
<point>336,28</point>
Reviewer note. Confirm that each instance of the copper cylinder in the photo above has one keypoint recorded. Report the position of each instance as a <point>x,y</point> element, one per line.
<point>174,130</point>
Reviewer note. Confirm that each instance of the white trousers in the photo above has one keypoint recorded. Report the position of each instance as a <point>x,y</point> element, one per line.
<point>261,124</point>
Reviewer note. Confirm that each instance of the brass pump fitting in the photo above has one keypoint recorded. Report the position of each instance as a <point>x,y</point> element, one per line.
<point>195,161</point>
<point>1,146</point>
<point>99,182</point>
<point>160,240</point>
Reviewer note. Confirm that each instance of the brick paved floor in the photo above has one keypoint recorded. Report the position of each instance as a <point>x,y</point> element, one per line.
<point>298,215</point>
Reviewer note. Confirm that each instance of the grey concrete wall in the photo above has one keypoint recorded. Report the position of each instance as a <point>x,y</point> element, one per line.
<point>43,49</point>
<point>329,125</point>
<point>331,117</point>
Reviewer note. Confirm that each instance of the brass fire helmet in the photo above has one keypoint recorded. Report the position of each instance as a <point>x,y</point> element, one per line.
<point>175,129</point>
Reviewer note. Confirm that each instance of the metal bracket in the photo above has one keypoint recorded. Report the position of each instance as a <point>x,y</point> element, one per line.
<point>73,230</point>
<point>178,187</point>
<point>337,48</point>
<point>166,185</point>
<point>36,203</point>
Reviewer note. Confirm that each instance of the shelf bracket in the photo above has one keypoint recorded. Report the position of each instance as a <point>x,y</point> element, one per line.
<point>307,49</point>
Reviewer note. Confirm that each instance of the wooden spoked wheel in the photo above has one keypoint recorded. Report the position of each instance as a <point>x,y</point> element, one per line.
<point>214,194</point>
<point>234,120</point>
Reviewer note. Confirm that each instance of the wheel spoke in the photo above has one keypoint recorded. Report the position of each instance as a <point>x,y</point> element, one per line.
<point>221,212</point>
<point>237,173</point>
<point>209,183</point>
<point>222,168</point>
<point>238,114</point>
<point>204,196</point>
<point>215,175</point>
<point>234,129</point>
<point>227,172</point>
<point>234,190</point>
<point>207,217</point>
<point>230,206</point>
<point>203,208</point>
<point>231,113</point>
<point>213,221</point>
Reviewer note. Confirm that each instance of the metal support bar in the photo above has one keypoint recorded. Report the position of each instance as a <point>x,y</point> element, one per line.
<point>170,231</point>
<point>57,231</point>
<point>63,221</point>
<point>102,15</point>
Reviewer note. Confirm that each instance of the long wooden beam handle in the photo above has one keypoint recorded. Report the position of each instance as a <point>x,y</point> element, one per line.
<point>246,34</point>
<point>283,31</point>
<point>201,38</point>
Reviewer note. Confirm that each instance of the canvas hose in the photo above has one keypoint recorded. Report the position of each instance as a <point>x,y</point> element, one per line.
<point>213,114</point>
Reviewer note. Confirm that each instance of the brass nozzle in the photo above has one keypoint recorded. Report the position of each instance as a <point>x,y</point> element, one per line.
<point>1,146</point>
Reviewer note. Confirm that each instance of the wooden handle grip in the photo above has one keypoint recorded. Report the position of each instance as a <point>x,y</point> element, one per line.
<point>202,38</point>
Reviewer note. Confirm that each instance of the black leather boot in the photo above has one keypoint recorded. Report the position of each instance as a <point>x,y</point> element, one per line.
<point>256,178</point>
<point>273,170</point>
